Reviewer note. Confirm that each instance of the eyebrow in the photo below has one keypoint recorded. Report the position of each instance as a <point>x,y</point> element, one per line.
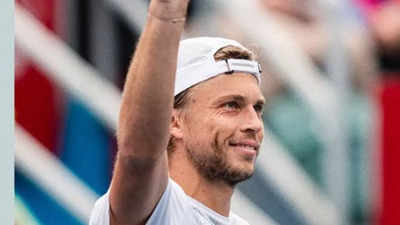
<point>239,98</point>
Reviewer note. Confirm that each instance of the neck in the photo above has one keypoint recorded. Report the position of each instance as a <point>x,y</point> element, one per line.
<point>216,195</point>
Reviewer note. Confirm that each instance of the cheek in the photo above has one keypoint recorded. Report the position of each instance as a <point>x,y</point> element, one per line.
<point>228,124</point>
<point>198,132</point>
<point>261,133</point>
<point>207,129</point>
<point>224,130</point>
<point>202,134</point>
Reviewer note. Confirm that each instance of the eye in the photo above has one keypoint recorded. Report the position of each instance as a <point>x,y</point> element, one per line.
<point>259,108</point>
<point>232,105</point>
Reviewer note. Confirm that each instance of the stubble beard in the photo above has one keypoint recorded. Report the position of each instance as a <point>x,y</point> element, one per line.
<point>215,167</point>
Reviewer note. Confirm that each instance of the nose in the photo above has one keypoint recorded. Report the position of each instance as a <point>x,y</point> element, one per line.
<point>251,121</point>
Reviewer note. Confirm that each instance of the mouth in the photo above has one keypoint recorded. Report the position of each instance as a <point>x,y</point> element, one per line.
<point>245,147</point>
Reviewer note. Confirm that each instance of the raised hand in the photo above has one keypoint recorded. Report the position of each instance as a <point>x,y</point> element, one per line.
<point>169,10</point>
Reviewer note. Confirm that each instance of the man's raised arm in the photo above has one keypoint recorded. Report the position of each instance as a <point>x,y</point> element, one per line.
<point>141,171</point>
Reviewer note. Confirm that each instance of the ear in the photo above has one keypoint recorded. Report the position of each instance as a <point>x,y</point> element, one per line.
<point>175,128</point>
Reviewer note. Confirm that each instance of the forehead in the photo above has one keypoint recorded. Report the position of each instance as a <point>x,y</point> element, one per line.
<point>242,84</point>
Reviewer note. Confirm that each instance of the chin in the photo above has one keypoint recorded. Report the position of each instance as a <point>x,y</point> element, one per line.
<point>231,167</point>
<point>244,164</point>
<point>237,174</point>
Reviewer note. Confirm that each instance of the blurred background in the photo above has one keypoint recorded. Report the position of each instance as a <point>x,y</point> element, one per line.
<point>331,77</point>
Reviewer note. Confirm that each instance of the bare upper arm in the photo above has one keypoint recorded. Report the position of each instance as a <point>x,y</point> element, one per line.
<point>136,188</point>
<point>141,170</point>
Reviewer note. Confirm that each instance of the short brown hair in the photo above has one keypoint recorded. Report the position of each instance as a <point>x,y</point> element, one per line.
<point>227,52</point>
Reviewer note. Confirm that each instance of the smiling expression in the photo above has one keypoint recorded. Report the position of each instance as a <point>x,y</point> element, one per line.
<point>223,128</point>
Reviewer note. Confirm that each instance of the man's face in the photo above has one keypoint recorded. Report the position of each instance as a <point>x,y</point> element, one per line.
<point>223,127</point>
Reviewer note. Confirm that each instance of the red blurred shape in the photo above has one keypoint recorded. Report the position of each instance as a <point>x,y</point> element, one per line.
<point>38,99</point>
<point>389,98</point>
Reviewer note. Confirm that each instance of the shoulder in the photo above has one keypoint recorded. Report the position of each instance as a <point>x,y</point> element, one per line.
<point>237,220</point>
<point>100,212</point>
<point>176,187</point>
<point>172,207</point>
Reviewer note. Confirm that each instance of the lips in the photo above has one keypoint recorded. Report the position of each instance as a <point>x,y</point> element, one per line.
<point>250,145</point>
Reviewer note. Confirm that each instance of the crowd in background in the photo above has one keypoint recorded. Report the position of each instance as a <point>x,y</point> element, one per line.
<point>104,38</point>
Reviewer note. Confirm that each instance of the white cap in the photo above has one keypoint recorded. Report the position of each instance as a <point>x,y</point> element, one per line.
<point>196,62</point>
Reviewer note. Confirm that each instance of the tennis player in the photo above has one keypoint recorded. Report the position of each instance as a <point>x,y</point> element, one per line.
<point>190,127</point>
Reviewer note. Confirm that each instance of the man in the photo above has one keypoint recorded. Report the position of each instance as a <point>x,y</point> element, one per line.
<point>180,158</point>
